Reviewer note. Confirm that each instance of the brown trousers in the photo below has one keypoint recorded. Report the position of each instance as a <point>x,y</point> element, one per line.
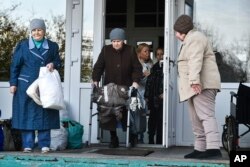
<point>202,115</point>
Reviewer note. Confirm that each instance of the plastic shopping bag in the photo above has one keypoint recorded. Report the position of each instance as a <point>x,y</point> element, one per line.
<point>75,133</point>
<point>59,138</point>
<point>50,89</point>
<point>33,92</point>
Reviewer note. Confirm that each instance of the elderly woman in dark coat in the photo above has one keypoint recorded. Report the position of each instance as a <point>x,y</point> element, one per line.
<point>29,56</point>
<point>121,66</point>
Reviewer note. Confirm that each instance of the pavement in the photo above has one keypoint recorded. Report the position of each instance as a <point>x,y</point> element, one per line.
<point>161,157</point>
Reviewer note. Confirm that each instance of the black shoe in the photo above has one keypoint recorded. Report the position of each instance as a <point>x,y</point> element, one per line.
<point>151,140</point>
<point>210,154</point>
<point>133,140</point>
<point>194,154</point>
<point>114,142</point>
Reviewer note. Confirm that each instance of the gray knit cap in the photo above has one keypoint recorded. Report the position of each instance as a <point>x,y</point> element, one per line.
<point>183,24</point>
<point>37,23</point>
<point>117,34</point>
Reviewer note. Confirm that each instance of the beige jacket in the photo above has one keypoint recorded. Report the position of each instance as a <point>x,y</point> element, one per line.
<point>196,65</point>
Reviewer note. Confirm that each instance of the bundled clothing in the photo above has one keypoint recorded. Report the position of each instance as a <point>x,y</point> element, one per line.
<point>111,100</point>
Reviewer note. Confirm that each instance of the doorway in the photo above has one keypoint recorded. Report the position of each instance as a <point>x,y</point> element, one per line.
<point>144,21</point>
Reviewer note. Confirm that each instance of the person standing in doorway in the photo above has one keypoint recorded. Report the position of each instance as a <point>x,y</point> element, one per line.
<point>143,53</point>
<point>119,64</point>
<point>199,82</point>
<point>29,56</point>
<point>154,97</point>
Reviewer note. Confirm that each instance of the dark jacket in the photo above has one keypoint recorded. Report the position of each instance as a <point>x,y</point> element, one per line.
<point>120,67</point>
<point>25,67</point>
<point>154,85</point>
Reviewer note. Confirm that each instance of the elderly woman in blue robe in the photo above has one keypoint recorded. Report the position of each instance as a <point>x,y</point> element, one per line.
<point>29,55</point>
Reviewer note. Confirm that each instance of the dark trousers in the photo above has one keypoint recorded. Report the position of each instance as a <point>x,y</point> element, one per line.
<point>155,123</point>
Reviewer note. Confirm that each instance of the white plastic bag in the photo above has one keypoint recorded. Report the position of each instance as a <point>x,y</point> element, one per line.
<point>32,92</point>
<point>59,139</point>
<point>50,89</point>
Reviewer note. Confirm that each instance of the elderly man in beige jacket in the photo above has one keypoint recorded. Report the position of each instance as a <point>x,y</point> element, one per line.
<point>199,82</point>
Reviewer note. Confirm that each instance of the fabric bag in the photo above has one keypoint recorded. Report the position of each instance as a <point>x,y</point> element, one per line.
<point>108,116</point>
<point>8,144</point>
<point>110,95</point>
<point>11,138</point>
<point>50,89</point>
<point>75,133</point>
<point>138,121</point>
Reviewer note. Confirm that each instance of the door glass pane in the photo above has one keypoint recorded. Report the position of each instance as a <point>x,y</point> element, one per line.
<point>114,6</point>
<point>14,26</point>
<point>227,24</point>
<point>116,21</point>
<point>142,6</point>
<point>145,20</point>
<point>116,13</point>
<point>87,40</point>
<point>148,13</point>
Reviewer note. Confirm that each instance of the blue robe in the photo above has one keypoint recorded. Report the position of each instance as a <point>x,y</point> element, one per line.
<point>26,63</point>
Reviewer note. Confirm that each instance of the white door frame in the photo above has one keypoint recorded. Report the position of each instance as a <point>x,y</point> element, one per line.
<point>73,88</point>
<point>184,135</point>
<point>99,27</point>
<point>73,57</point>
<point>169,105</point>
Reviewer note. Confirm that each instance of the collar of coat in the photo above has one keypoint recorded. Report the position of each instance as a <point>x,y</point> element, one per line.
<point>188,34</point>
<point>45,44</point>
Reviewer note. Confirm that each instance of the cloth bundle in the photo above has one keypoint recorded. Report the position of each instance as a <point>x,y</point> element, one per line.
<point>110,95</point>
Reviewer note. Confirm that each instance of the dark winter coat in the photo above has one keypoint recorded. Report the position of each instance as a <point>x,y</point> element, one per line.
<point>120,67</point>
<point>154,86</point>
<point>26,63</point>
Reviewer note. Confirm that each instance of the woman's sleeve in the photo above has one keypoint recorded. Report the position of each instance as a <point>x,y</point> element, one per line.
<point>16,63</point>
<point>149,81</point>
<point>137,74</point>
<point>99,67</point>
